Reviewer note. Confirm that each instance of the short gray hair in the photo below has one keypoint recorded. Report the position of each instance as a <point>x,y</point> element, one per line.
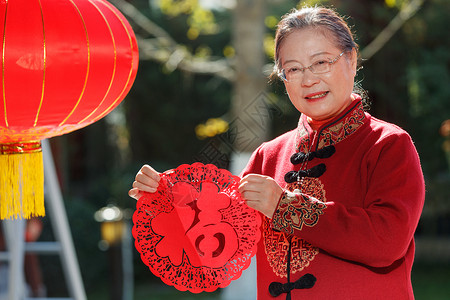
<point>317,17</point>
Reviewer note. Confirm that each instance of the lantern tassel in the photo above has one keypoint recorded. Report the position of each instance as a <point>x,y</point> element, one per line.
<point>21,181</point>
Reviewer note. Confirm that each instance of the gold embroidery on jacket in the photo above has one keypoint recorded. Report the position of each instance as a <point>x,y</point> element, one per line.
<point>334,132</point>
<point>295,211</point>
<point>276,243</point>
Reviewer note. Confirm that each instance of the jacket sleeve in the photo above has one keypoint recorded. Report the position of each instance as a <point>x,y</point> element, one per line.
<point>254,163</point>
<point>376,234</point>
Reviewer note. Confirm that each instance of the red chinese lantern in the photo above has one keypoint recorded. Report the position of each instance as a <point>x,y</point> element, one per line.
<point>65,64</point>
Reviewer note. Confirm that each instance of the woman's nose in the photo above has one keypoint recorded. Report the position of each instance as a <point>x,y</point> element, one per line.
<point>309,78</point>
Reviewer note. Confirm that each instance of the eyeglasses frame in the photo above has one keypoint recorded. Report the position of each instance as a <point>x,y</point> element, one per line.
<point>282,73</point>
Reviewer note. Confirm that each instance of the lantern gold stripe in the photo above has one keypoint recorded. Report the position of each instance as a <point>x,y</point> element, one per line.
<point>20,147</point>
<point>45,67</point>
<point>115,63</point>
<point>3,64</point>
<point>88,65</point>
<point>131,67</point>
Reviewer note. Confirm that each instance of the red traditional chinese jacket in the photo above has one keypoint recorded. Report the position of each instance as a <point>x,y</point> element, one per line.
<point>344,226</point>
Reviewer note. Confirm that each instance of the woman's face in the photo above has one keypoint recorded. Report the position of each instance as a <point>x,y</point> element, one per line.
<point>319,96</point>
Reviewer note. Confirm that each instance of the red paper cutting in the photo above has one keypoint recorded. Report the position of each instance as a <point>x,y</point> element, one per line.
<point>195,232</point>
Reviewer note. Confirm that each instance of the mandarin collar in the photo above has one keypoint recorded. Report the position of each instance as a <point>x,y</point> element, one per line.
<point>332,132</point>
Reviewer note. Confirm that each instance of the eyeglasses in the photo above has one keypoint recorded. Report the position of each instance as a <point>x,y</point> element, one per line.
<point>294,73</point>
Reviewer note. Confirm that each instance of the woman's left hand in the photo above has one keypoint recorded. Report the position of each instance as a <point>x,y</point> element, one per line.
<point>261,193</point>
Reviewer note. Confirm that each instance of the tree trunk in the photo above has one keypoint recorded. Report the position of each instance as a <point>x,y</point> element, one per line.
<point>250,123</point>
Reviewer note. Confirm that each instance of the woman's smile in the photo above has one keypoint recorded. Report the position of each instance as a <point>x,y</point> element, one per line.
<point>316,96</point>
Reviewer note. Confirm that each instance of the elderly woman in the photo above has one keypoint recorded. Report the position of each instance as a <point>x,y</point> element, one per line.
<point>341,194</point>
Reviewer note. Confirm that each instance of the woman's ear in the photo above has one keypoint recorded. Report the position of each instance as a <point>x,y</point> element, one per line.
<point>354,61</point>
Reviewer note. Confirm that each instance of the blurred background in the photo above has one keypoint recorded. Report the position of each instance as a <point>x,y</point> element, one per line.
<point>202,94</point>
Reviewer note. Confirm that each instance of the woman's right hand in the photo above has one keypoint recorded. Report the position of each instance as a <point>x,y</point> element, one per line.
<point>147,180</point>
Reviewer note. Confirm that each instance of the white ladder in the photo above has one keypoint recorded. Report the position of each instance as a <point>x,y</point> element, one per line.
<point>14,233</point>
